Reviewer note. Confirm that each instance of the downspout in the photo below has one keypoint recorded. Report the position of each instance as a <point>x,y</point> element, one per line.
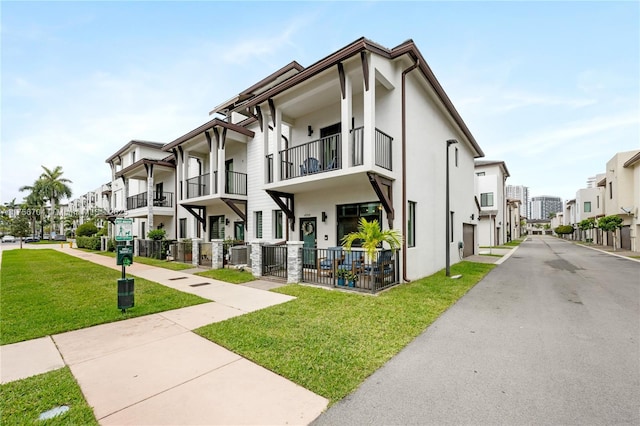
<point>404,168</point>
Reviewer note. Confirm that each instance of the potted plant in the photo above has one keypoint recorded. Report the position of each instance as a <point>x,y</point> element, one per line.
<point>351,278</point>
<point>342,275</point>
<point>371,237</point>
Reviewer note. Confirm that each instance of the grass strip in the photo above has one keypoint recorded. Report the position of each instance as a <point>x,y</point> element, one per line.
<point>47,292</point>
<point>330,341</point>
<point>233,276</point>
<point>22,401</point>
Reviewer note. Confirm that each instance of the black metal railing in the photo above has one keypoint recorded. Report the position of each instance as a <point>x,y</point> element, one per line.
<point>181,251</point>
<point>319,156</point>
<point>382,147</point>
<point>137,201</point>
<point>160,199</point>
<point>335,267</point>
<point>152,248</point>
<point>274,261</point>
<point>205,250</point>
<point>198,186</point>
<point>236,183</point>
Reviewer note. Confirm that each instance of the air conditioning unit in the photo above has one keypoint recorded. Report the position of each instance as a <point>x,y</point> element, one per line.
<point>238,255</point>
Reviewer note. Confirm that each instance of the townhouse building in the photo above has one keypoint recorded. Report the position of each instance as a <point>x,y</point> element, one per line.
<point>305,153</point>
<point>621,185</point>
<point>515,219</point>
<point>143,187</point>
<point>494,225</point>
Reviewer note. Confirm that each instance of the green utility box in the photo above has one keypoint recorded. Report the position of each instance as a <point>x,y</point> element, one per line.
<point>124,255</point>
<point>125,293</point>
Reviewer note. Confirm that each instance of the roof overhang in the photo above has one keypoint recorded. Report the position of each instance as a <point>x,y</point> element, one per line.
<point>147,144</point>
<point>216,122</point>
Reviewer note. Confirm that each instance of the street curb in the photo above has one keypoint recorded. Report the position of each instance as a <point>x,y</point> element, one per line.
<point>506,256</point>
<point>608,252</point>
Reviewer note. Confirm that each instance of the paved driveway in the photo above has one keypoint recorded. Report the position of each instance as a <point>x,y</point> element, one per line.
<point>549,337</point>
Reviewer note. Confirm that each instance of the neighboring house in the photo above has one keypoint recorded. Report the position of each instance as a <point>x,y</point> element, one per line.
<point>589,203</point>
<point>490,191</point>
<point>621,186</point>
<point>514,219</point>
<point>143,186</point>
<point>539,227</point>
<point>307,152</point>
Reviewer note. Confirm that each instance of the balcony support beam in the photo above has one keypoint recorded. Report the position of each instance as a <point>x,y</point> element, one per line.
<point>233,205</point>
<point>284,200</point>
<point>384,190</point>
<point>200,213</point>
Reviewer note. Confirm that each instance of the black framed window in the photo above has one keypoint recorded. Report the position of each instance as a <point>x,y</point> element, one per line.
<point>411,225</point>
<point>182,233</point>
<point>216,227</point>
<point>258,224</point>
<point>348,216</point>
<point>277,223</point>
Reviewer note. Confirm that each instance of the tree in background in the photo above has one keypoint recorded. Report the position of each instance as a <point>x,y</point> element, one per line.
<point>564,230</point>
<point>55,188</point>
<point>586,225</point>
<point>610,224</point>
<point>20,227</point>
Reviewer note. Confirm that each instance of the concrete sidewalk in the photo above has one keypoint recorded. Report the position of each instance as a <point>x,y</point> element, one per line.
<point>154,370</point>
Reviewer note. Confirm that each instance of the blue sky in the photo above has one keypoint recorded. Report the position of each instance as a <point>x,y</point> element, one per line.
<point>551,88</point>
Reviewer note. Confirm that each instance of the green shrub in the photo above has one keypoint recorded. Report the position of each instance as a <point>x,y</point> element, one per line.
<point>91,243</point>
<point>86,230</point>
<point>564,229</point>
<point>111,245</point>
<point>102,232</point>
<point>156,234</point>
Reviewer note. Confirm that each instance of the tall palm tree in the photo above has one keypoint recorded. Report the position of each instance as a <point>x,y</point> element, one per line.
<point>371,236</point>
<point>33,202</point>
<point>55,187</point>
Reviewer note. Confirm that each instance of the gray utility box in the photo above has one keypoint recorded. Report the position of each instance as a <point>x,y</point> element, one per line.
<point>238,255</point>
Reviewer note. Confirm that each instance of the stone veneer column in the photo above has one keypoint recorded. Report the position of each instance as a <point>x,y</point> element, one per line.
<point>136,247</point>
<point>256,258</point>
<point>294,262</point>
<point>195,251</point>
<point>217,254</point>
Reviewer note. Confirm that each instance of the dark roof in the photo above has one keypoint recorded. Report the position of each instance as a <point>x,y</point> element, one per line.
<point>246,100</point>
<point>166,162</point>
<point>148,144</point>
<point>216,122</point>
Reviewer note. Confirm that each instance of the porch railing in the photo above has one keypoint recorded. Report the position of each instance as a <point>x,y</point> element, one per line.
<point>160,199</point>
<point>199,185</point>
<point>382,147</point>
<point>322,155</point>
<point>274,261</point>
<point>236,183</point>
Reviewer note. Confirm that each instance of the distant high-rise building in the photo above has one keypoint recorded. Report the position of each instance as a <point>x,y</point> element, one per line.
<point>542,207</point>
<point>519,192</point>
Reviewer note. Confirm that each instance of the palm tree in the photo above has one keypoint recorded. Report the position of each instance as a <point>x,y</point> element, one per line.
<point>55,187</point>
<point>371,236</point>
<point>34,201</point>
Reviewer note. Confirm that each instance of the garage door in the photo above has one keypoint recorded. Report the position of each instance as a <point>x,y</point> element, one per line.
<point>468,232</point>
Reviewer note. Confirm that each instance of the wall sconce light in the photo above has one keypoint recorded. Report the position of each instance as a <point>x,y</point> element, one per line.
<point>324,217</point>
<point>309,130</point>
<point>472,216</point>
<point>226,221</point>
<point>161,225</point>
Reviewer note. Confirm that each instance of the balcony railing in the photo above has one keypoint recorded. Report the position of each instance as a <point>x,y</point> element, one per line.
<point>160,199</point>
<point>322,155</point>
<point>236,183</point>
<point>382,148</point>
<point>199,186</point>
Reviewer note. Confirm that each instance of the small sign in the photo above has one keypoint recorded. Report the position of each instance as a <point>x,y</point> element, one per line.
<point>124,229</point>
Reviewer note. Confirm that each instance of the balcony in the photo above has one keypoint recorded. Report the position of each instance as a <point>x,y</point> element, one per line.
<point>160,199</point>
<point>325,155</point>
<point>199,186</point>
<point>235,184</point>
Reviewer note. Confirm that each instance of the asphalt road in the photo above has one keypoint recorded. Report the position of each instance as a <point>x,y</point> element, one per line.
<point>550,337</point>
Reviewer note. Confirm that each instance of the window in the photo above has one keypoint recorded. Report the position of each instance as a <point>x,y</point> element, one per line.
<point>597,201</point>
<point>587,206</point>
<point>216,227</point>
<point>258,224</point>
<point>183,228</point>
<point>451,225</point>
<point>480,174</point>
<point>610,190</point>
<point>133,157</point>
<point>486,199</point>
<point>456,156</point>
<point>144,229</point>
<point>348,216</point>
<point>277,224</point>
<point>411,225</point>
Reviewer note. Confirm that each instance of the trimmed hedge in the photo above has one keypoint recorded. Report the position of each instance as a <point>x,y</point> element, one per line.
<point>92,243</point>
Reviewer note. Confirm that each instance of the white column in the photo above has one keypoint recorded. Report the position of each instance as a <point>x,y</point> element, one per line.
<point>222,175</point>
<point>256,258</point>
<point>277,143</point>
<point>150,198</point>
<point>346,113</point>
<point>212,162</point>
<point>294,262</point>
<point>369,108</point>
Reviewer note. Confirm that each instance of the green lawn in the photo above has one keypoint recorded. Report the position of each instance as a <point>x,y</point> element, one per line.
<point>330,341</point>
<point>174,266</point>
<point>233,276</point>
<point>46,292</point>
<point>22,401</point>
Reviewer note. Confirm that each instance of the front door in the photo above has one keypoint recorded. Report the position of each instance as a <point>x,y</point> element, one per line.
<point>308,236</point>
<point>238,231</point>
<point>228,171</point>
